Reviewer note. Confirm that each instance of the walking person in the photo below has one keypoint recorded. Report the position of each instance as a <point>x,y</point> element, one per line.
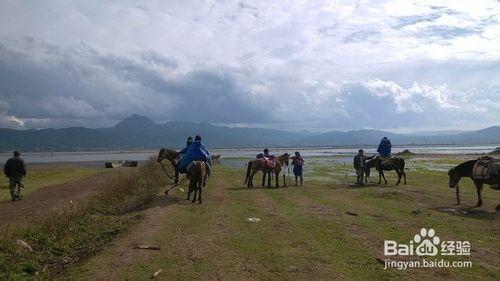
<point>297,163</point>
<point>15,170</point>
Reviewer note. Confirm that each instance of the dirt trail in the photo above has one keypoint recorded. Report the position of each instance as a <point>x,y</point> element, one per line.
<point>120,254</point>
<point>44,200</point>
<point>121,250</point>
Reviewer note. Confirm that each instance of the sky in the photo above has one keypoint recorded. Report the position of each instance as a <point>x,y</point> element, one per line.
<point>402,66</point>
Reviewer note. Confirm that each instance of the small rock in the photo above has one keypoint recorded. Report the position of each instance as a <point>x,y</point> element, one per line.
<point>156,273</point>
<point>292,268</point>
<point>352,214</point>
<point>24,245</point>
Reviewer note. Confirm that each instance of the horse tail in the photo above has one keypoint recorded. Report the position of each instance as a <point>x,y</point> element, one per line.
<point>402,164</point>
<point>249,169</point>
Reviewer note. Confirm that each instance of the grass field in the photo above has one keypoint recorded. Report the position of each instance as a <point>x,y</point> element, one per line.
<point>304,232</point>
<point>45,175</point>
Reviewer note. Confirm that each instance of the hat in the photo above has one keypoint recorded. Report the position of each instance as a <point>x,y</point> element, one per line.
<point>197,138</point>
<point>17,153</point>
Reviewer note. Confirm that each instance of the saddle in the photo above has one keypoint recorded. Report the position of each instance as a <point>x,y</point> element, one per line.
<point>485,168</point>
<point>268,162</point>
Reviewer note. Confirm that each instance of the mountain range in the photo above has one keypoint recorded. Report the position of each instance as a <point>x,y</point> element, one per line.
<point>139,132</point>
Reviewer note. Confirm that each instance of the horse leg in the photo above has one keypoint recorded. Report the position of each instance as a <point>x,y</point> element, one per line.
<point>383,175</point>
<point>189,191</point>
<point>277,175</point>
<point>479,187</point>
<point>284,180</point>
<point>194,184</point>
<point>263,178</point>
<point>269,180</point>
<point>399,175</point>
<point>457,190</point>
<point>250,180</point>
<point>404,175</point>
<point>200,184</point>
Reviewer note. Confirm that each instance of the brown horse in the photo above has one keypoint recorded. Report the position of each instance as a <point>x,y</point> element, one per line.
<point>465,170</point>
<point>172,156</point>
<point>197,171</point>
<point>257,165</point>
<point>398,165</point>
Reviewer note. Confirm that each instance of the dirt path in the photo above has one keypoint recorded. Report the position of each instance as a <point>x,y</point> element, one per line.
<point>44,200</point>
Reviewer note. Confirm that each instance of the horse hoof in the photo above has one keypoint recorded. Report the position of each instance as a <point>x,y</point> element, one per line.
<point>497,208</point>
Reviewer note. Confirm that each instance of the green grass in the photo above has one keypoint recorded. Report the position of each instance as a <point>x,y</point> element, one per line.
<point>45,175</point>
<point>73,234</point>
<point>305,233</point>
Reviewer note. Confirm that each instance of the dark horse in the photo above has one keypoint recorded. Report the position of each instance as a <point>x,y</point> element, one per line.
<point>197,178</point>
<point>257,165</point>
<point>465,170</point>
<point>398,165</point>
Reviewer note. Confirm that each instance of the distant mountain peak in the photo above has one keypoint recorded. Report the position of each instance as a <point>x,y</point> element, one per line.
<point>134,121</point>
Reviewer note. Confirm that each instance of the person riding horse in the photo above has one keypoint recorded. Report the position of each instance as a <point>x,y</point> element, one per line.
<point>195,151</point>
<point>384,150</point>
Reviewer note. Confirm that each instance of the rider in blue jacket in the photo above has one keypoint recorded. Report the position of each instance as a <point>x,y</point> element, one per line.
<point>196,151</point>
<point>384,148</point>
<point>188,142</point>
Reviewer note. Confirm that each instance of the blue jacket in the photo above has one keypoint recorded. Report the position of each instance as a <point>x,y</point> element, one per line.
<point>194,152</point>
<point>384,148</point>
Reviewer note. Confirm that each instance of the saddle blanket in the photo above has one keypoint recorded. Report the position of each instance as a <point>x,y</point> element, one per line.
<point>268,162</point>
<point>485,168</point>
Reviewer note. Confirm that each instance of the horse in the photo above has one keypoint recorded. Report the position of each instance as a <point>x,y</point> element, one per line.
<point>257,165</point>
<point>398,165</point>
<point>197,171</point>
<point>465,170</point>
<point>171,156</point>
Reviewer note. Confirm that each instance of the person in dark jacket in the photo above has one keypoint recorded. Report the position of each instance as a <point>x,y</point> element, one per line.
<point>384,148</point>
<point>15,170</point>
<point>359,164</point>
<point>297,163</point>
<point>188,142</point>
<point>195,152</point>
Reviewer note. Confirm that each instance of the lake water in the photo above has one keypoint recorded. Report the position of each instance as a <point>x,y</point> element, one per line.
<point>142,155</point>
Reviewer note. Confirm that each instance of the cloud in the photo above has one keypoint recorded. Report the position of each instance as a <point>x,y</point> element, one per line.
<point>316,64</point>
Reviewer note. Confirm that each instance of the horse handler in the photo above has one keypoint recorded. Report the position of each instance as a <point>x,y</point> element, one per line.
<point>15,170</point>
<point>297,163</point>
<point>359,164</point>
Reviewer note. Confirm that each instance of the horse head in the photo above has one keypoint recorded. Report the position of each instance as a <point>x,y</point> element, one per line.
<point>168,154</point>
<point>454,178</point>
<point>285,159</point>
<point>161,155</point>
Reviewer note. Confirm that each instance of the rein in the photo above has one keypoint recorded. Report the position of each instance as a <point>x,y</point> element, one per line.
<point>165,170</point>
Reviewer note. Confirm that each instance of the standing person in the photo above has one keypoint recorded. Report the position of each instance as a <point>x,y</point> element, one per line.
<point>15,170</point>
<point>359,164</point>
<point>297,163</point>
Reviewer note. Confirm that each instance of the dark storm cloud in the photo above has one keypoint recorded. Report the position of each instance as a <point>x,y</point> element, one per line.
<point>80,83</point>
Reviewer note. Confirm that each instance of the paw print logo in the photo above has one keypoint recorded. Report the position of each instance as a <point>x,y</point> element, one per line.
<point>427,241</point>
